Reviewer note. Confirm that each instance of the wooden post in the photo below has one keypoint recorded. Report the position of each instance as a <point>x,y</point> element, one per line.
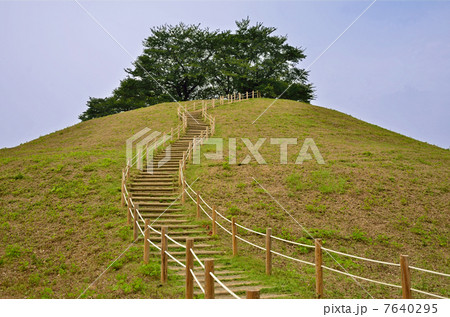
<point>209,280</point>
<point>183,194</point>
<point>198,205</point>
<point>268,251</point>
<point>214,224</point>
<point>246,95</point>
<point>253,94</point>
<point>146,243</point>
<point>135,222</point>
<point>189,265</point>
<point>180,170</point>
<point>319,273</point>
<point>233,237</point>
<point>129,211</point>
<point>406,277</point>
<point>240,97</point>
<point>253,294</point>
<point>163,254</point>
<point>122,198</point>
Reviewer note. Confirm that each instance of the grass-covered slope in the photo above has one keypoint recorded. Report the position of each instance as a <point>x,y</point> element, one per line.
<point>380,194</point>
<point>60,218</point>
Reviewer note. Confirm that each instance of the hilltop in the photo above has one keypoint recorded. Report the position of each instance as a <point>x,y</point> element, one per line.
<point>379,194</point>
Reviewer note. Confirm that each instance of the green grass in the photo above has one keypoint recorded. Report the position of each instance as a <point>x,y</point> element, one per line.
<point>61,223</point>
<point>366,199</point>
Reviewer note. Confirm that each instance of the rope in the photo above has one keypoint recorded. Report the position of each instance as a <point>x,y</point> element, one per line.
<point>201,207</point>
<point>429,294</point>
<point>429,271</point>
<point>139,215</point>
<point>126,200</point>
<point>223,217</point>
<point>293,242</point>
<point>361,258</point>
<point>201,198</point>
<point>250,230</point>
<point>224,286</point>
<point>217,213</point>
<point>174,259</point>
<point>291,258</point>
<point>252,244</point>
<point>224,229</point>
<point>154,230</point>
<point>198,260</point>
<point>196,280</point>
<point>361,278</point>
<point>153,244</point>
<point>137,223</point>
<point>177,243</point>
<point>302,244</point>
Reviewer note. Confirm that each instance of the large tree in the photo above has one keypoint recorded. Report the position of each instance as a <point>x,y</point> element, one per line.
<point>185,62</point>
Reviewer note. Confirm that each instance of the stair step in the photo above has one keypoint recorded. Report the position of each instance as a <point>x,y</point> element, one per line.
<point>164,222</point>
<point>155,198</point>
<point>164,189</point>
<point>151,184</point>
<point>177,226</point>
<point>197,270</point>
<point>158,215</point>
<point>182,239</point>
<point>162,211</point>
<point>220,291</point>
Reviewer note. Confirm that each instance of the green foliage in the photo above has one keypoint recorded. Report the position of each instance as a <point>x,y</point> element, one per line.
<point>152,269</point>
<point>188,62</point>
<point>359,235</point>
<point>47,293</point>
<point>234,211</point>
<point>13,251</point>
<point>321,180</point>
<point>18,176</point>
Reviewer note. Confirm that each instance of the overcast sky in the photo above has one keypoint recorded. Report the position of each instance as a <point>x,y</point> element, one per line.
<point>391,68</point>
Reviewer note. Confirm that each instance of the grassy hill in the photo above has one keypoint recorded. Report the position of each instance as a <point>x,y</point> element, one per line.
<point>380,194</point>
<point>61,222</point>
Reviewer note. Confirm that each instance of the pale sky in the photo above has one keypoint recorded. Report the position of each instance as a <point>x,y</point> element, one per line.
<point>391,68</point>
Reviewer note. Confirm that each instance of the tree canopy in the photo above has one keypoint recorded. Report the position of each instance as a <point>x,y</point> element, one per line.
<point>185,62</point>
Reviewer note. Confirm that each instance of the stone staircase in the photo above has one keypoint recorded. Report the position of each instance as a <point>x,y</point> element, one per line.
<point>157,195</point>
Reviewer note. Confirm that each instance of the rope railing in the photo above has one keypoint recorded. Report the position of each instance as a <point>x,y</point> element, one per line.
<point>175,259</point>
<point>197,258</point>
<point>182,113</point>
<point>196,280</point>
<point>224,286</point>
<point>359,277</point>
<point>192,193</point>
<point>135,215</point>
<point>312,246</point>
